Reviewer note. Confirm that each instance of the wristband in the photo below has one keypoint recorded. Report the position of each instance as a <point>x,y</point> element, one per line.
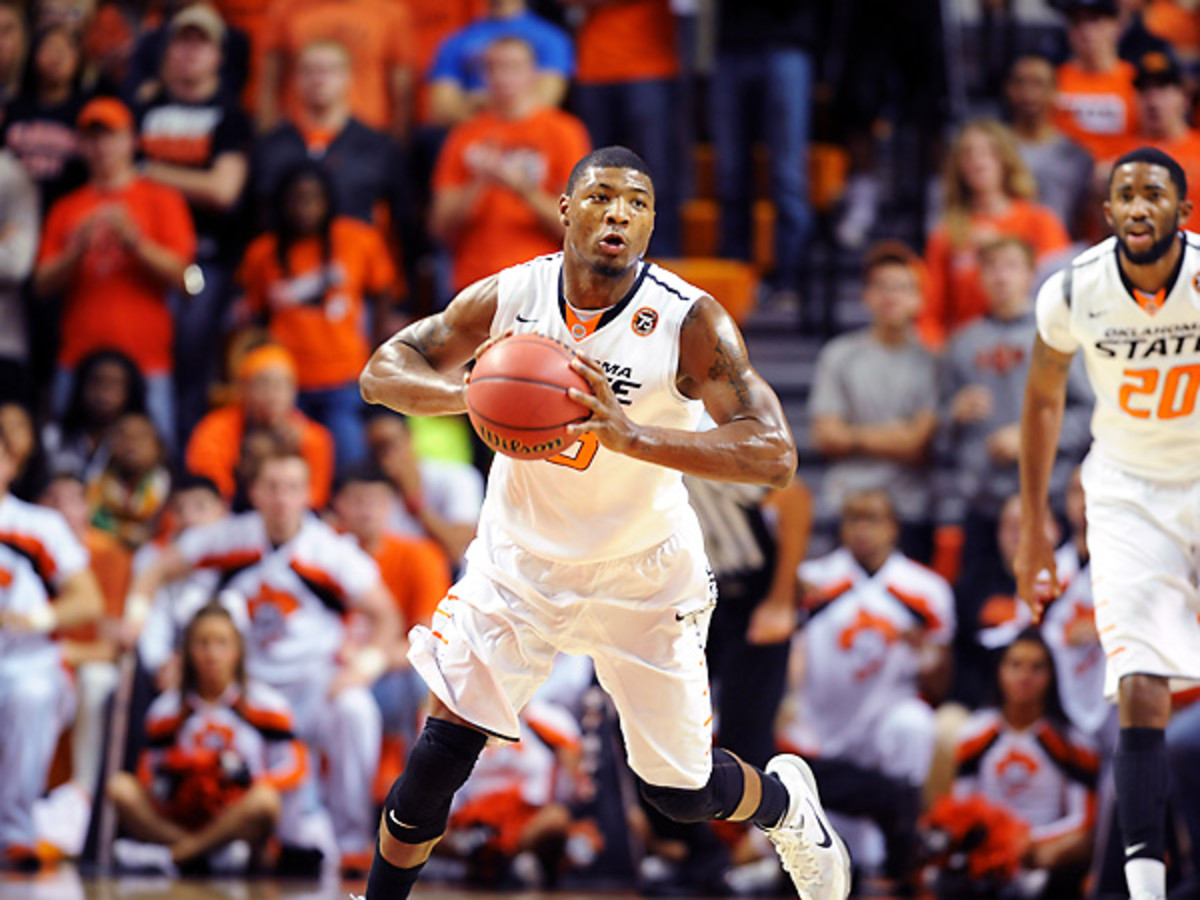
<point>42,619</point>
<point>137,608</point>
<point>370,662</point>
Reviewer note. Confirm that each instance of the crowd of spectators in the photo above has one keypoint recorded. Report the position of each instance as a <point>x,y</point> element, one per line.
<point>210,215</point>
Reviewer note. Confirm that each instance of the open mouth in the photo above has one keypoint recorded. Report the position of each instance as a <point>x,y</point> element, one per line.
<point>1140,233</point>
<point>612,243</point>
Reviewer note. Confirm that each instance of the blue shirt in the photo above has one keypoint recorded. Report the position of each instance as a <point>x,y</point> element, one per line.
<point>460,58</point>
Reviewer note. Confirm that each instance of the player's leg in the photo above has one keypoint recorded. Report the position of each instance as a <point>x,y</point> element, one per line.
<point>250,818</point>
<point>1140,773</point>
<point>29,729</point>
<point>137,812</point>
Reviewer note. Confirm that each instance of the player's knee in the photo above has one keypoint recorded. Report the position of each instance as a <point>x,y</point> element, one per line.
<point>123,790</point>
<point>680,804</point>
<point>263,802</point>
<point>418,805</point>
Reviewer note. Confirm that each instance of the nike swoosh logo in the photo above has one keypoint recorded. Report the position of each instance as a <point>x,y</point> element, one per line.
<point>397,822</point>
<point>1136,848</point>
<point>1096,315</point>
<point>525,321</point>
<point>826,839</point>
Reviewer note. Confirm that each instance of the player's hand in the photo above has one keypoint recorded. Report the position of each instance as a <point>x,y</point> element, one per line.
<point>1037,575</point>
<point>607,421</point>
<point>773,621</point>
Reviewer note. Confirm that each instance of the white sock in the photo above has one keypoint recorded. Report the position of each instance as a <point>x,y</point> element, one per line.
<point>1147,878</point>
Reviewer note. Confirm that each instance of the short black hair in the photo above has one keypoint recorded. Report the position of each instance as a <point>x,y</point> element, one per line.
<point>611,157</point>
<point>193,481</point>
<point>363,473</point>
<point>1155,157</point>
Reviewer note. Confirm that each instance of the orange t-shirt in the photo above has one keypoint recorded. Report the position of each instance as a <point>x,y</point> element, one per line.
<point>1180,27</point>
<point>416,572</point>
<point>432,22</point>
<point>1097,109</point>
<point>376,33</point>
<point>112,565</point>
<point>216,445</point>
<point>113,301</point>
<point>503,229</point>
<point>319,320</point>
<point>632,41</point>
<point>1184,149</point>
<point>954,295</point>
<point>251,17</point>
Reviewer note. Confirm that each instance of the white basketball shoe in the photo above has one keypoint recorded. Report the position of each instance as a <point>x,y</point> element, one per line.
<point>810,850</point>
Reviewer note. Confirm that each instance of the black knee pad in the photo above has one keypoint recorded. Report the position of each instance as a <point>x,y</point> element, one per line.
<point>418,805</point>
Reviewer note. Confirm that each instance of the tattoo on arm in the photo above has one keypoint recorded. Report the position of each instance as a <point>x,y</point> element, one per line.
<point>1045,357</point>
<point>427,335</point>
<point>727,366</point>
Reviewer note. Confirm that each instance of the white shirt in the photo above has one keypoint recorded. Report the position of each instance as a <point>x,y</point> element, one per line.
<point>1143,366</point>
<point>577,506</point>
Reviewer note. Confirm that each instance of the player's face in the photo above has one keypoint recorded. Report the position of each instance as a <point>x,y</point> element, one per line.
<point>869,529</point>
<point>892,295</point>
<point>280,493</point>
<point>214,650</point>
<point>1025,674</point>
<point>1145,211</point>
<point>609,218</point>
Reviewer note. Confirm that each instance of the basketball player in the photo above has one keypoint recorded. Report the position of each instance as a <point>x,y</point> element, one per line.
<point>596,551</point>
<point>1132,305</point>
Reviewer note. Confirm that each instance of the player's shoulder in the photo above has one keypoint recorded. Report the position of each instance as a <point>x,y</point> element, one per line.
<point>670,284</point>
<point>20,515</point>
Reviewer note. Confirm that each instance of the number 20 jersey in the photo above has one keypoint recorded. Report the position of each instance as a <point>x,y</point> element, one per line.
<point>1142,356</point>
<point>590,503</point>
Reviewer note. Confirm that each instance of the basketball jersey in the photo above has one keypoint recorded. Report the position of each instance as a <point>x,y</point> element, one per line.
<point>1047,778</point>
<point>589,503</point>
<point>1142,358</point>
<point>296,594</point>
<point>858,662</point>
<point>38,553</point>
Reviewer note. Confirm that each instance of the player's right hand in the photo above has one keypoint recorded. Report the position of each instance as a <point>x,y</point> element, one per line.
<point>1037,575</point>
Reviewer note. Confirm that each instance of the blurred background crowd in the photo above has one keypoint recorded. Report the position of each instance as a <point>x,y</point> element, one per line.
<point>211,549</point>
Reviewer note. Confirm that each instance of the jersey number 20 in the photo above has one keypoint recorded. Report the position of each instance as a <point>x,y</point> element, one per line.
<point>1178,397</point>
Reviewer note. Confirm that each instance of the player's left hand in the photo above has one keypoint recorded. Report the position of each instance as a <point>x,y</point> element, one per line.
<point>608,421</point>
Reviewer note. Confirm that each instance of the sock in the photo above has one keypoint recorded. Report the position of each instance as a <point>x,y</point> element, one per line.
<point>1140,774</point>
<point>388,882</point>
<point>774,803</point>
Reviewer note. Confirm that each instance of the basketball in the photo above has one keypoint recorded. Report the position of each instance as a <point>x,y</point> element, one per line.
<point>517,396</point>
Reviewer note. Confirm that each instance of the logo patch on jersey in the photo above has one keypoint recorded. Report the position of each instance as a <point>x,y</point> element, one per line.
<point>645,320</point>
<point>1196,282</point>
<point>579,331</point>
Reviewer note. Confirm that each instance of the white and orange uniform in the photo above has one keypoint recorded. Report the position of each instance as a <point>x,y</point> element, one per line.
<point>859,699</point>
<point>1044,775</point>
<point>201,756</point>
<point>1142,475</point>
<point>589,552</point>
<point>296,598</point>
<point>1069,629</point>
<point>38,553</point>
<point>513,780</point>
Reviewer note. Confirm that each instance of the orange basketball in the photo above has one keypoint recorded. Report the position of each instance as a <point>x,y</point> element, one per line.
<point>517,396</point>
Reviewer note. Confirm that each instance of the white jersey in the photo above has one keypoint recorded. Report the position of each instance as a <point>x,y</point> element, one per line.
<point>296,594</point>
<point>1142,358</point>
<point>38,553</point>
<point>858,663</point>
<point>588,503</point>
<point>1046,776</point>
<point>1070,632</point>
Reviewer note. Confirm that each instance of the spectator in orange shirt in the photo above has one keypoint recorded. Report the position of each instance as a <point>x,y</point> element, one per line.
<point>415,572</point>
<point>196,140</point>
<point>501,173</point>
<point>627,92</point>
<point>433,21</point>
<point>309,281</point>
<point>227,441</point>
<point>1163,117</point>
<point>988,194</point>
<point>377,34</point>
<point>1096,103</point>
<point>114,248</point>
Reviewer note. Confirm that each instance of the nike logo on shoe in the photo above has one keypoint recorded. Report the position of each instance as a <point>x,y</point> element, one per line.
<point>826,839</point>
<point>397,822</point>
<point>1134,849</point>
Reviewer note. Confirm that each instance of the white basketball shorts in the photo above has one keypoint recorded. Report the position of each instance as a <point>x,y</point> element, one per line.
<point>1143,537</point>
<point>642,619</point>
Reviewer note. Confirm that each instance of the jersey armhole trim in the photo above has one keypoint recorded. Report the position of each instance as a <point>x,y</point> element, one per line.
<point>1068,276</point>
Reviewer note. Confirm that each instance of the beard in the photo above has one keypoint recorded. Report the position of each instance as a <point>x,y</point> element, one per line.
<point>1155,251</point>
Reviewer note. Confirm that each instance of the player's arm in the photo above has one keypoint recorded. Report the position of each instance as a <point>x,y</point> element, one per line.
<point>169,566</point>
<point>1041,422</point>
<point>752,441</point>
<point>416,370</point>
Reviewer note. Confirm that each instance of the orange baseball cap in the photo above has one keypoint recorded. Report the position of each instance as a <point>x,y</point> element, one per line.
<point>105,112</point>
<point>268,357</point>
